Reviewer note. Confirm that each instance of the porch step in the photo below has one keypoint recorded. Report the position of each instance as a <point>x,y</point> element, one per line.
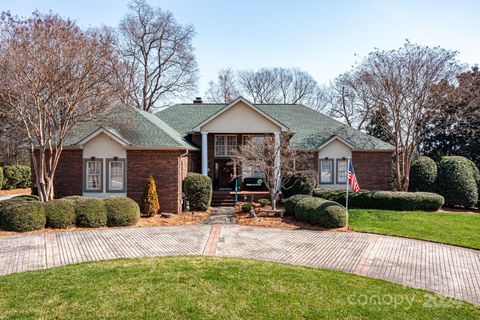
<point>223,199</point>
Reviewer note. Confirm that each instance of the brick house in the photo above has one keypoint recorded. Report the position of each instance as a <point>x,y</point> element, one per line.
<point>116,155</point>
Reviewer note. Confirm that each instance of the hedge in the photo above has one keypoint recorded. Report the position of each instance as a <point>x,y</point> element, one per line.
<point>26,197</point>
<point>60,214</point>
<point>198,189</point>
<point>16,176</point>
<point>23,216</point>
<point>1,178</point>
<point>91,213</point>
<point>423,175</point>
<point>121,211</point>
<point>290,203</point>
<point>321,212</point>
<point>298,184</point>
<point>457,181</point>
<point>384,200</point>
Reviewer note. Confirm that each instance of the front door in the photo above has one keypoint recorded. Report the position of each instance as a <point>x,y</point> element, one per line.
<point>223,174</point>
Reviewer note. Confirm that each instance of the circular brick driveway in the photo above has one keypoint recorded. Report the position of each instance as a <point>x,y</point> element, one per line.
<point>448,270</point>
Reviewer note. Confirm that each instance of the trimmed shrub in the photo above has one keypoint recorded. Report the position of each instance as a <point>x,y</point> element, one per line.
<point>73,198</point>
<point>121,211</point>
<point>198,189</point>
<point>91,213</point>
<point>1,178</point>
<point>264,202</point>
<point>150,204</point>
<point>26,197</point>
<point>423,175</point>
<point>60,213</point>
<point>457,182</point>
<point>290,203</point>
<point>298,184</point>
<point>321,212</point>
<point>247,207</point>
<point>16,176</point>
<point>384,200</point>
<point>23,216</point>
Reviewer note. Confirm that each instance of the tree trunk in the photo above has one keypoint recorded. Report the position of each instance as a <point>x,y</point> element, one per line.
<point>273,197</point>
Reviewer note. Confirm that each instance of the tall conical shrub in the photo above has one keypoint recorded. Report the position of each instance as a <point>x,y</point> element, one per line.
<point>150,205</point>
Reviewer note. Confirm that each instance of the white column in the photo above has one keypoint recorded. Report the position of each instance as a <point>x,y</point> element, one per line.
<point>205,153</point>
<point>276,164</point>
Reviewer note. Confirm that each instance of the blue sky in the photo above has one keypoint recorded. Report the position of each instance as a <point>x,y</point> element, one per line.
<point>323,37</point>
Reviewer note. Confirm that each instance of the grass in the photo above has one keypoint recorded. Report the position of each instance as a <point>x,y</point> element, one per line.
<point>461,229</point>
<point>212,288</point>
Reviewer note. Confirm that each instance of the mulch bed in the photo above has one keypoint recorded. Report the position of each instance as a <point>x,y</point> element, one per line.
<point>287,222</point>
<point>16,191</point>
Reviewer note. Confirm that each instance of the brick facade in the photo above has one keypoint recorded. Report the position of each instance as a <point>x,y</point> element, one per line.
<point>373,169</point>
<point>164,166</point>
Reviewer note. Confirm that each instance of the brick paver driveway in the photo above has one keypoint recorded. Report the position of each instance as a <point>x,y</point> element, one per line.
<point>448,270</point>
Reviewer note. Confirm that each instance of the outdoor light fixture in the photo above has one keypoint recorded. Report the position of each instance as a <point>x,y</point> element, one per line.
<point>115,158</point>
<point>326,158</point>
<point>92,158</point>
<point>344,158</point>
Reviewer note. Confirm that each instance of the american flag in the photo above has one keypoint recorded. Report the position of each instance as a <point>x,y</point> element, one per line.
<point>352,178</point>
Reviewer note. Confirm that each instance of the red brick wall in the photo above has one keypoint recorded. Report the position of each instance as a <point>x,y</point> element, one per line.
<point>164,167</point>
<point>68,176</point>
<point>373,169</point>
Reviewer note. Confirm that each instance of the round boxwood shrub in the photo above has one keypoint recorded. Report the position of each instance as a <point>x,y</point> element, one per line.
<point>290,203</point>
<point>91,213</point>
<point>264,202</point>
<point>23,216</point>
<point>298,184</point>
<point>456,182</point>
<point>321,212</point>
<point>26,197</point>
<point>17,176</point>
<point>247,207</point>
<point>60,214</point>
<point>198,189</point>
<point>121,211</point>
<point>423,175</point>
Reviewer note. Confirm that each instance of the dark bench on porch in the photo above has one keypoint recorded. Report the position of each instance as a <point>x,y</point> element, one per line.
<point>259,212</point>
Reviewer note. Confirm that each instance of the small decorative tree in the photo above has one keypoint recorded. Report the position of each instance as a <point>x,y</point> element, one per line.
<point>150,205</point>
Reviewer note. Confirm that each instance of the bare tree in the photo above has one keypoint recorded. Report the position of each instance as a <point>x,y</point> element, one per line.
<point>225,89</point>
<point>263,153</point>
<point>399,82</point>
<point>54,76</point>
<point>260,86</point>
<point>158,56</point>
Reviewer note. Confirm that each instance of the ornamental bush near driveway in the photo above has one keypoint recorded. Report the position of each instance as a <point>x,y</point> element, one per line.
<point>423,175</point>
<point>1,178</point>
<point>298,184</point>
<point>91,213</point>
<point>198,189</point>
<point>60,214</point>
<point>290,203</point>
<point>321,212</point>
<point>121,211</point>
<point>23,216</point>
<point>387,200</point>
<point>457,181</point>
<point>16,176</point>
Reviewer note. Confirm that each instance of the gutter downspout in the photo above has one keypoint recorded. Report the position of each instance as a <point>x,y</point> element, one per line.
<point>180,165</point>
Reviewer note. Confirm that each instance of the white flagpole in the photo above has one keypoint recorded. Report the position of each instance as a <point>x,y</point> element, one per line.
<point>348,180</point>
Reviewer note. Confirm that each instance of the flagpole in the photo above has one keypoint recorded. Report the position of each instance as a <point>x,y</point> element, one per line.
<point>346,199</point>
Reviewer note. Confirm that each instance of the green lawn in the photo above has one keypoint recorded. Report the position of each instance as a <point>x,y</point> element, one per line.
<point>213,288</point>
<point>462,229</point>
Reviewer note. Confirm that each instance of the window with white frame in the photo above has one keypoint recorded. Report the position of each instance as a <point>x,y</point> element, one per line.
<point>326,171</point>
<point>342,170</point>
<point>225,145</point>
<point>93,175</point>
<point>246,138</point>
<point>116,175</point>
<point>250,171</point>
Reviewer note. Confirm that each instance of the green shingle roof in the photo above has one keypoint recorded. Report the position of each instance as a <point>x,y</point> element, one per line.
<point>312,129</point>
<point>136,127</point>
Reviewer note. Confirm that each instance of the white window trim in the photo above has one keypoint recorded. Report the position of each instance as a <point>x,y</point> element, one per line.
<point>225,146</point>
<point>108,175</point>
<point>332,172</point>
<point>337,171</point>
<point>85,180</point>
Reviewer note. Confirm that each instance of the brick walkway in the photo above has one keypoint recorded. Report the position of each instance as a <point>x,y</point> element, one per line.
<point>448,270</point>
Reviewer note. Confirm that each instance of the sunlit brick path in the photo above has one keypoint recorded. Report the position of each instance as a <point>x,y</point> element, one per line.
<point>447,270</point>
